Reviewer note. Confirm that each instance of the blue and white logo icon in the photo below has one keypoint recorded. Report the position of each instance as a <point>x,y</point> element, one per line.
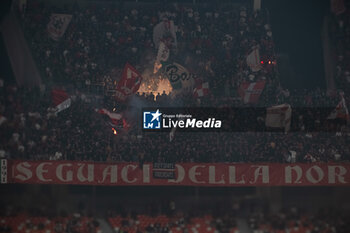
<point>151,120</point>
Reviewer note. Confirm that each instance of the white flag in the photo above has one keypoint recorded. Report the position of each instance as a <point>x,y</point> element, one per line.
<point>279,116</point>
<point>58,25</point>
<point>64,105</point>
<point>253,60</point>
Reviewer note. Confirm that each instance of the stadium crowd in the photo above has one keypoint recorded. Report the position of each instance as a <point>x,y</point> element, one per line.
<point>297,221</point>
<point>99,40</point>
<point>219,219</point>
<point>31,131</point>
<point>25,222</point>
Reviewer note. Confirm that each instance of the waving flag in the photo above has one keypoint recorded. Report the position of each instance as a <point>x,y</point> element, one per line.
<point>341,111</point>
<point>250,92</point>
<point>253,60</point>
<point>279,117</point>
<point>165,28</point>
<point>58,25</point>
<point>60,99</point>
<point>114,117</point>
<point>178,76</point>
<point>129,83</point>
<point>201,90</point>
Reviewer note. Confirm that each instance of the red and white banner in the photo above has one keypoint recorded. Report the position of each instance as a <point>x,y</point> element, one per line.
<point>253,60</point>
<point>188,174</point>
<point>60,99</point>
<point>279,116</point>
<point>115,117</point>
<point>201,90</point>
<point>58,25</point>
<point>250,92</point>
<point>129,83</point>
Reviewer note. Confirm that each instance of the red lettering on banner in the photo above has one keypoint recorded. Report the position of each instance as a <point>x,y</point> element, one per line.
<point>189,174</point>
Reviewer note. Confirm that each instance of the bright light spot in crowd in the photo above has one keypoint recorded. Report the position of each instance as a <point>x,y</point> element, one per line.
<point>114,109</point>
<point>262,62</point>
<point>155,85</point>
<point>269,62</point>
<point>114,131</point>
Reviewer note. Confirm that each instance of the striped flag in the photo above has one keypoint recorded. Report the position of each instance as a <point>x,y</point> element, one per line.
<point>201,90</point>
<point>129,83</point>
<point>250,92</point>
<point>114,117</point>
<point>61,100</point>
<point>253,60</point>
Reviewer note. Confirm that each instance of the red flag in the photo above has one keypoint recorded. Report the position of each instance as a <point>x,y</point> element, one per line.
<point>61,99</point>
<point>250,92</point>
<point>129,83</point>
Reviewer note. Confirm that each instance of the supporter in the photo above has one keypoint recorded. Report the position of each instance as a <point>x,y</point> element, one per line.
<point>85,55</point>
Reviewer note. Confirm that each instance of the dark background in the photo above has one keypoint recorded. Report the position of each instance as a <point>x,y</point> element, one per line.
<point>296,27</point>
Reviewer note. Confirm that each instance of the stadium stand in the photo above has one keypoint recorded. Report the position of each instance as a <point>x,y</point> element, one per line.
<point>32,132</point>
<point>85,53</point>
<point>294,221</point>
<point>124,34</point>
<point>75,130</point>
<point>24,223</point>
